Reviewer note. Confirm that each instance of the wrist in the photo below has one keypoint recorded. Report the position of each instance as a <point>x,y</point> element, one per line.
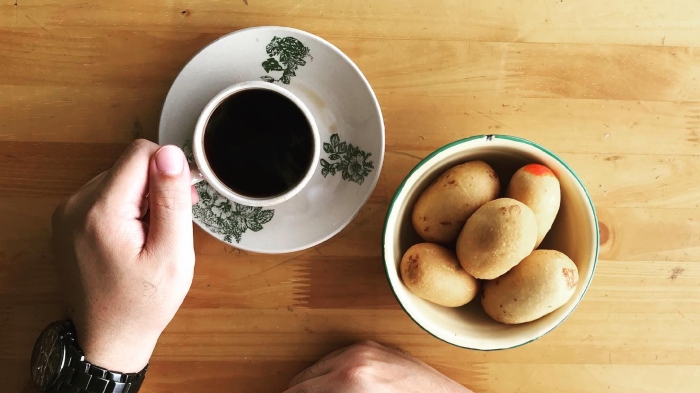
<point>115,352</point>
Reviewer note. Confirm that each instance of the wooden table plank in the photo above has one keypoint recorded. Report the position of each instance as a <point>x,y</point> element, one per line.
<point>611,86</point>
<point>646,22</point>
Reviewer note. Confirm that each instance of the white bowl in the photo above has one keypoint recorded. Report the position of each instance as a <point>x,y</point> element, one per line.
<point>575,233</point>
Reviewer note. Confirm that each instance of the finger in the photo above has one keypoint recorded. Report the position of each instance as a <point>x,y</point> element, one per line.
<point>335,353</point>
<point>322,367</point>
<point>127,181</point>
<point>313,386</point>
<point>95,180</point>
<point>195,196</point>
<point>170,202</point>
<point>85,195</point>
<point>338,358</point>
<point>143,208</point>
<point>395,350</point>
<point>318,369</point>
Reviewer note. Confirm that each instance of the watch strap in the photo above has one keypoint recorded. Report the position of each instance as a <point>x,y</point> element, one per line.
<point>79,376</point>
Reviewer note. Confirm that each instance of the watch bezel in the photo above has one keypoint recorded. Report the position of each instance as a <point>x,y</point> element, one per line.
<point>60,329</point>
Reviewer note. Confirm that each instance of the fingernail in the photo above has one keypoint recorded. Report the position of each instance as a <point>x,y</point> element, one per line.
<point>169,160</point>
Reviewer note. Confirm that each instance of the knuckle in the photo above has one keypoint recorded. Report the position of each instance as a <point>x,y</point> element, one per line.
<point>69,214</point>
<point>358,375</point>
<point>360,361</point>
<point>170,201</point>
<point>94,217</point>
<point>141,144</point>
<point>368,343</point>
<point>171,195</point>
<point>315,368</point>
<point>363,352</point>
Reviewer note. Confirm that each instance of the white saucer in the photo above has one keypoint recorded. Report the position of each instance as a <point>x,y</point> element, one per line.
<point>345,109</point>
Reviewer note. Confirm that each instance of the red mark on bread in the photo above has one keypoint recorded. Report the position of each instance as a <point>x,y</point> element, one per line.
<point>452,182</point>
<point>445,223</point>
<point>426,229</point>
<point>570,276</point>
<point>537,170</point>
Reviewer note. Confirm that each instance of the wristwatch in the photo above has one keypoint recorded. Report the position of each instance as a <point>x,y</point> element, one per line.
<point>59,365</point>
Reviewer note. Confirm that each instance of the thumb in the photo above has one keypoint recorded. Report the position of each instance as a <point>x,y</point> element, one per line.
<point>170,202</point>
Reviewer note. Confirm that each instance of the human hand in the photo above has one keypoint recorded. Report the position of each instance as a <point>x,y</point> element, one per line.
<point>368,367</point>
<point>125,252</point>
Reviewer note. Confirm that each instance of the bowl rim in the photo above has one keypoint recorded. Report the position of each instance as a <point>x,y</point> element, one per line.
<point>488,137</point>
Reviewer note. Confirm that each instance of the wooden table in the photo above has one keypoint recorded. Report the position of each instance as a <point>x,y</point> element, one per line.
<point>612,86</point>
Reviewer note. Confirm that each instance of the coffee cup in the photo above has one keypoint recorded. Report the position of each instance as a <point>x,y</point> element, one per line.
<point>256,144</point>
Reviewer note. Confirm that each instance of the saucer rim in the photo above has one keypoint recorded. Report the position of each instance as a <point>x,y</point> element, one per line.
<point>381,133</point>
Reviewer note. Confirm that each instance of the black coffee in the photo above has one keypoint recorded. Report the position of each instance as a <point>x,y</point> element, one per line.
<point>258,143</point>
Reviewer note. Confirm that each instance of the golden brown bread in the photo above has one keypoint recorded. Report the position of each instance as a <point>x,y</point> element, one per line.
<point>496,237</point>
<point>442,209</point>
<point>536,186</point>
<point>432,272</point>
<point>541,283</point>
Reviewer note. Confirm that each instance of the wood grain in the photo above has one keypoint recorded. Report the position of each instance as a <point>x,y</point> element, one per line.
<point>611,86</point>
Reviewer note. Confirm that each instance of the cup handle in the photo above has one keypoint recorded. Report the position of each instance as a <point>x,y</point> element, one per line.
<point>195,175</point>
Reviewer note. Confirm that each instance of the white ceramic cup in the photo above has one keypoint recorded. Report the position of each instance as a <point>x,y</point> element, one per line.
<point>203,170</point>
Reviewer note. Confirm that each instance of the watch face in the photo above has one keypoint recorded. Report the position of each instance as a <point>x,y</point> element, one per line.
<point>48,356</point>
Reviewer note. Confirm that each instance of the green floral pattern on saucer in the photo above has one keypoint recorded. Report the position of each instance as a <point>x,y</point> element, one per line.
<point>222,216</point>
<point>352,162</point>
<point>287,55</point>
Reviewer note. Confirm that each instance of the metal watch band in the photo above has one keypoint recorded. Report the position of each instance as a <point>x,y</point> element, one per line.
<point>79,376</point>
